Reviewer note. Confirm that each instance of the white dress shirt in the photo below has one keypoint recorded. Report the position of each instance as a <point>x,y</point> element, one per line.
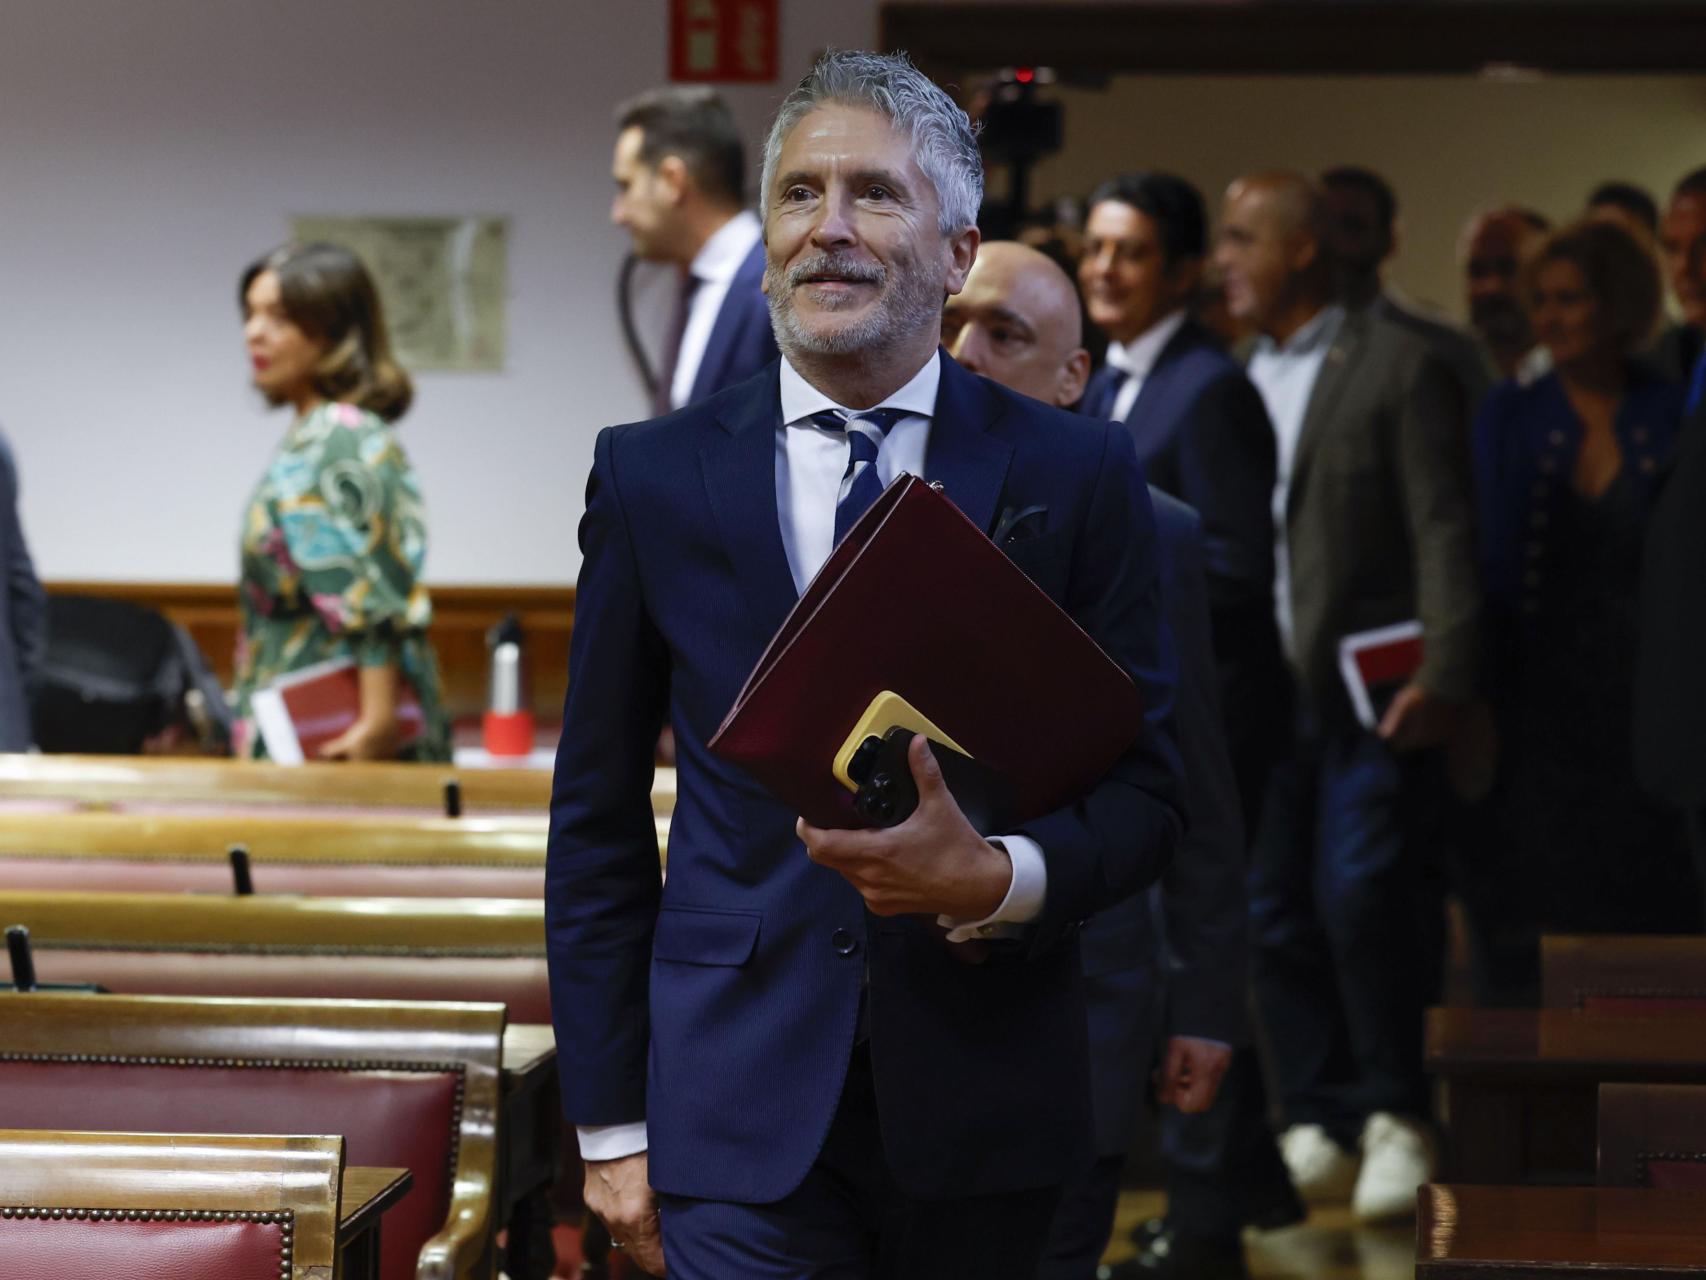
<point>1285,376</point>
<point>714,267</point>
<point>1136,358</point>
<point>810,463</point>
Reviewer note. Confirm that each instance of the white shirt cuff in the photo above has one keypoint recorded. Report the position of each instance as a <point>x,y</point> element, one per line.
<point>1024,900</point>
<point>611,1141</point>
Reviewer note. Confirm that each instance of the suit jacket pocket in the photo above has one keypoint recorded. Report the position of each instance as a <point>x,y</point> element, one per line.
<point>1045,559</point>
<point>706,935</point>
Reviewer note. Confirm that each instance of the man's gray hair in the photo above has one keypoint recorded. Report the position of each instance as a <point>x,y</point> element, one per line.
<point>943,138</point>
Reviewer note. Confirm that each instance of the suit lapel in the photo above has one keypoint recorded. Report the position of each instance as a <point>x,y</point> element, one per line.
<point>740,481</point>
<point>963,457</point>
<point>733,319</point>
<point>1330,384</point>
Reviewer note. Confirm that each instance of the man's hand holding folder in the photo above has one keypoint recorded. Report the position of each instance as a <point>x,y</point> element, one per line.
<point>916,600</point>
<point>934,863</point>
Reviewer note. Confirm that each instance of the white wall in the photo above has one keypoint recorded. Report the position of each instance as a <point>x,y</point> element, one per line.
<point>1448,144</point>
<point>150,149</point>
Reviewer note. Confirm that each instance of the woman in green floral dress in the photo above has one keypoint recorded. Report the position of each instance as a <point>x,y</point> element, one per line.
<point>333,539</point>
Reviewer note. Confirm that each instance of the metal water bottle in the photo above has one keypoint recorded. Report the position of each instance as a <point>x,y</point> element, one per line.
<point>508,725</point>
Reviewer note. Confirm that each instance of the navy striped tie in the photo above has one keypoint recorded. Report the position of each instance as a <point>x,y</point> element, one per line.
<point>865,432</point>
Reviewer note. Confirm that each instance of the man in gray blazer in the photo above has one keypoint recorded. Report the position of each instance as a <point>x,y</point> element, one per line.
<point>23,616</point>
<point>1372,522</point>
<point>1165,972</point>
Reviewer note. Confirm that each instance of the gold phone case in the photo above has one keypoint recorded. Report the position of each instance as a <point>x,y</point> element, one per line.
<point>888,710</point>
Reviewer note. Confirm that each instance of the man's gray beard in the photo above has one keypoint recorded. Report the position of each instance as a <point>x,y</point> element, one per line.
<point>904,310</point>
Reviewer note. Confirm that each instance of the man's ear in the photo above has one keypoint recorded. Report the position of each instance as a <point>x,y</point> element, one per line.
<point>1305,253</point>
<point>672,177</point>
<point>962,253</point>
<point>1074,377</point>
<point>1184,278</point>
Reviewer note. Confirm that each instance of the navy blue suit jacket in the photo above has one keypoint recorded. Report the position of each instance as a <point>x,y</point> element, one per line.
<point>720,1008</point>
<point>1174,961</point>
<point>742,341</point>
<point>1203,436</point>
<point>23,616</point>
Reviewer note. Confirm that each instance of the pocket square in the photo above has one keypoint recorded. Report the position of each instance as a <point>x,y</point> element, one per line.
<point>1007,528</point>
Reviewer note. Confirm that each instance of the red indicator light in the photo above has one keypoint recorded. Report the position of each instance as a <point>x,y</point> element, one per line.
<point>1024,75</point>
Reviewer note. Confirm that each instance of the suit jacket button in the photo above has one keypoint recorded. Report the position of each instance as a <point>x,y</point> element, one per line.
<point>845,943</point>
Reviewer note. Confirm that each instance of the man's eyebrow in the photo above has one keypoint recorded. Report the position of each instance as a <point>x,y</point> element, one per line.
<point>880,178</point>
<point>1008,316</point>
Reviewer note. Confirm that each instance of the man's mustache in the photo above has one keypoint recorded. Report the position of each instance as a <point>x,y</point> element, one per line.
<point>835,268</point>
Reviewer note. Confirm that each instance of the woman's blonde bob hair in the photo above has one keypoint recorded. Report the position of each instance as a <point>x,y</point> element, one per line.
<point>328,294</point>
<point>1619,271</point>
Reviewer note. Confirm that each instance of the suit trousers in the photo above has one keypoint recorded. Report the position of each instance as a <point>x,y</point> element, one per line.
<point>1347,926</point>
<point>848,1220</point>
<point>1083,1222</point>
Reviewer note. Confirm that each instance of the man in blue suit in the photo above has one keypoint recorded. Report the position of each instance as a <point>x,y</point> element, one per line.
<point>777,1066</point>
<point>1166,974</point>
<point>1200,429</point>
<point>680,173</point>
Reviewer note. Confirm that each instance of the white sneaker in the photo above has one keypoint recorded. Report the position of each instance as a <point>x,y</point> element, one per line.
<point>1397,1158</point>
<point>1322,1171</point>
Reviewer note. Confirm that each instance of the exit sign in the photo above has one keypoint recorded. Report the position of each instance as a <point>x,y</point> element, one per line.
<point>722,40</point>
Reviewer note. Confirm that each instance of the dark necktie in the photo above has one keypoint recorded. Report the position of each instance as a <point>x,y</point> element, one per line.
<point>865,433</point>
<point>661,400</point>
<point>1697,384</point>
<point>1104,390</point>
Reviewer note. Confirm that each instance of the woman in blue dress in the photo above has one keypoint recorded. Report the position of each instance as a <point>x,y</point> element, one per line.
<point>1565,474</point>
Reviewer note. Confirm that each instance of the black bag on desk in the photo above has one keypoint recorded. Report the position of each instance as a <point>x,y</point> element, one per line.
<point>117,674</point>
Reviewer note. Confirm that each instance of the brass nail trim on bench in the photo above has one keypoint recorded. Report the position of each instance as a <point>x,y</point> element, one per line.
<point>458,1070</point>
<point>285,1219</point>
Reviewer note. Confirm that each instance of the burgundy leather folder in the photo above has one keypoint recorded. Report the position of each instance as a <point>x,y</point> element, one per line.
<point>917,600</point>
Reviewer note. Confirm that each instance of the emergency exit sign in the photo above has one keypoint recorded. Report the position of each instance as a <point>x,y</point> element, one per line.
<point>722,40</point>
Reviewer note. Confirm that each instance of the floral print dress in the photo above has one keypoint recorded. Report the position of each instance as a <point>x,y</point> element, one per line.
<point>331,553</point>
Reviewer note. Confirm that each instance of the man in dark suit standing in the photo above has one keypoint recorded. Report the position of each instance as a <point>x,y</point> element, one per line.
<point>777,1064</point>
<point>1670,680</point>
<point>1372,519</point>
<point>1200,431</point>
<point>1681,350</point>
<point>1165,975</point>
<point>680,173</point>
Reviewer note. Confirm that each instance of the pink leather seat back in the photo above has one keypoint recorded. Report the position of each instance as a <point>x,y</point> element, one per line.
<point>93,1248</point>
<point>521,982</point>
<point>404,1118</point>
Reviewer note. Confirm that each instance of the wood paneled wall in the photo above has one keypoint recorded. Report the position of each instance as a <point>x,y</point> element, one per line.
<point>461,617</point>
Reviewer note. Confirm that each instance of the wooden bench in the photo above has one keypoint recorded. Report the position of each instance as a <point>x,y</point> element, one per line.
<point>84,1206</point>
<point>155,781</point>
<point>351,948</point>
<point>1639,976</point>
<point>1517,1089</point>
<point>1596,1233</point>
<point>411,1085</point>
<point>476,857</point>
<point>1652,1135</point>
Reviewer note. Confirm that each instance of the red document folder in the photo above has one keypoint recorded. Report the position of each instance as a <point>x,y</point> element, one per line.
<point>1377,664</point>
<point>917,600</point>
<point>299,713</point>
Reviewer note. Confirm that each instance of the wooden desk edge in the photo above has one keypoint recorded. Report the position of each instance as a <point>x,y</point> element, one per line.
<point>365,1194</point>
<point>528,1047</point>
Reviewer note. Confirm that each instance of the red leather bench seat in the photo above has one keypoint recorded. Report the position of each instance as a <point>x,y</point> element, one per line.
<point>155,1248</point>
<point>391,1118</point>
